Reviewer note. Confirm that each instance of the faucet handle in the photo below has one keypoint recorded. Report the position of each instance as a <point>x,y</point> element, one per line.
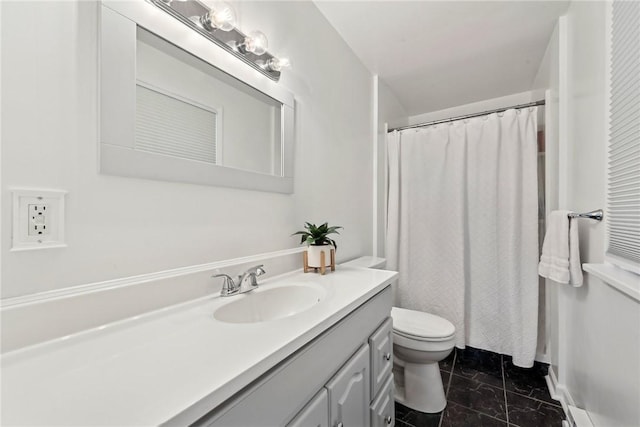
<point>228,285</point>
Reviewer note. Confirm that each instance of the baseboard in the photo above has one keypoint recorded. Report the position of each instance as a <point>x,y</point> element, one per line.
<point>552,383</point>
<point>558,391</point>
<point>575,417</point>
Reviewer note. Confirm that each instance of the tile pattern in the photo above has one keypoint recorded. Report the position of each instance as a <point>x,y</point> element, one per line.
<point>487,389</point>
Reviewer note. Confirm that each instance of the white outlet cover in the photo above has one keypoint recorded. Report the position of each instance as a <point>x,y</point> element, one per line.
<point>39,219</point>
<point>22,238</point>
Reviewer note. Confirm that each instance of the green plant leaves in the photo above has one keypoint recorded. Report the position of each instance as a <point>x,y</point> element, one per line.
<point>317,235</point>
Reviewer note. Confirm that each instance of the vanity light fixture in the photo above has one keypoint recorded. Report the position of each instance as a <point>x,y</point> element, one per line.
<point>255,42</point>
<point>222,17</point>
<point>277,64</point>
<point>217,23</point>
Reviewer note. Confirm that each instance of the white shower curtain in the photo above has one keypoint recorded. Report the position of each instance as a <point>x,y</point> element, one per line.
<point>463,227</point>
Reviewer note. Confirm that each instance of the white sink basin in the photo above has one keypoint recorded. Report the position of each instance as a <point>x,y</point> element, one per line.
<point>269,304</point>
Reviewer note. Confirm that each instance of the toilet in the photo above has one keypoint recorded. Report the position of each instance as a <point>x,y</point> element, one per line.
<point>420,341</point>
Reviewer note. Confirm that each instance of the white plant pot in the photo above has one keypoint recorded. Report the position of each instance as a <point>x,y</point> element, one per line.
<point>313,255</point>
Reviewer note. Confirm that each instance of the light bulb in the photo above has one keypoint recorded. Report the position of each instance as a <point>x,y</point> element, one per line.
<point>220,17</point>
<point>256,42</point>
<point>277,64</point>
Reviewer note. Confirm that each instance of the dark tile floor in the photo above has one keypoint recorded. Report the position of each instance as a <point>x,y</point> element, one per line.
<point>486,389</point>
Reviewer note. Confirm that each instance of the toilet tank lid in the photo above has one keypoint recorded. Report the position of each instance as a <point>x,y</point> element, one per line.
<point>367,262</point>
<point>421,324</point>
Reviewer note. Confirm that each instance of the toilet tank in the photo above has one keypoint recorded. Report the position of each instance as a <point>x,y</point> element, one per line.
<point>367,262</point>
<point>377,263</point>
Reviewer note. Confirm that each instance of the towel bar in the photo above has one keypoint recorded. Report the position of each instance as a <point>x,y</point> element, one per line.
<point>597,215</point>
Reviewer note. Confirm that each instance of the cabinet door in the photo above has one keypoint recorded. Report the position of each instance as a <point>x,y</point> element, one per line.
<point>349,392</point>
<point>315,414</point>
<point>383,409</point>
<point>381,343</point>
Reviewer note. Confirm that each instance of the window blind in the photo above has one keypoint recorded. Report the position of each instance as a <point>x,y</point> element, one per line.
<point>623,208</point>
<point>172,127</point>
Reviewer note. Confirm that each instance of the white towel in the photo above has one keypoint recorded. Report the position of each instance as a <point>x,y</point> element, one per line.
<point>560,260</point>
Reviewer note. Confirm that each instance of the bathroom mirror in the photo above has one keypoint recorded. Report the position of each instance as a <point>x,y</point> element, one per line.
<point>176,107</point>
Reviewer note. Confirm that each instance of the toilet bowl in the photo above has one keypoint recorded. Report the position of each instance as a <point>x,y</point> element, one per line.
<point>420,341</point>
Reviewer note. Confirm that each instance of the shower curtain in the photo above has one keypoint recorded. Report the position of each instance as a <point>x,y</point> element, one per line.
<point>463,227</point>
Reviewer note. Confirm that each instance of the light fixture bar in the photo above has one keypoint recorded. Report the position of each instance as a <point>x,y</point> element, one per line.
<point>189,12</point>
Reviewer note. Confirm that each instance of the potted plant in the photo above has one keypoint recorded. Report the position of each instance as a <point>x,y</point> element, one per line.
<point>318,241</point>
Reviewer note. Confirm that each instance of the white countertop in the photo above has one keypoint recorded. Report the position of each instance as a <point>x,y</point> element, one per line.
<point>169,365</point>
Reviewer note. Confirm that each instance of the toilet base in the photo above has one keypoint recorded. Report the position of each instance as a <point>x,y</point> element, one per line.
<point>421,387</point>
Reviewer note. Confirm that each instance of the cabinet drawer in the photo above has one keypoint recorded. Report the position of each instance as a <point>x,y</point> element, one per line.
<point>381,344</point>
<point>383,408</point>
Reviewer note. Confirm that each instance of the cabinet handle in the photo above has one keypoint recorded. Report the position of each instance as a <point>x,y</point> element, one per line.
<point>388,419</point>
<point>387,357</point>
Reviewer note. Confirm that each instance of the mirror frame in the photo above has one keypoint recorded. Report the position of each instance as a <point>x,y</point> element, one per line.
<point>117,46</point>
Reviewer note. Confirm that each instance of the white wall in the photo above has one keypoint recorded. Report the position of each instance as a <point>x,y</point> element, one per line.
<point>390,114</point>
<point>547,82</point>
<point>390,110</point>
<point>599,343</point>
<point>118,227</point>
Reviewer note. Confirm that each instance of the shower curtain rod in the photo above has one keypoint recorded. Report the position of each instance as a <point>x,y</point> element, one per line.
<point>468,116</point>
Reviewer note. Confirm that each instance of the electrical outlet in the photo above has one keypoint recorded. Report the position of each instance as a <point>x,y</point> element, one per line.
<point>38,220</point>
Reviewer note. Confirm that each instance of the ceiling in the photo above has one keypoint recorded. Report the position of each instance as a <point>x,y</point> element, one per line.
<point>440,54</point>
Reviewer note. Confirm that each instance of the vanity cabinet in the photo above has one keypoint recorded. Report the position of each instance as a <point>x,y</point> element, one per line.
<point>315,414</point>
<point>349,392</point>
<point>381,344</point>
<point>383,411</point>
<point>328,382</point>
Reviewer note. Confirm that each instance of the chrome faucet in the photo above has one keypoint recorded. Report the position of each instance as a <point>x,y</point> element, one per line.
<point>231,287</point>
<point>252,274</point>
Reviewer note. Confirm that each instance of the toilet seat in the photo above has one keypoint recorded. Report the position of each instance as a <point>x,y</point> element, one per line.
<point>420,326</point>
<point>425,339</point>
